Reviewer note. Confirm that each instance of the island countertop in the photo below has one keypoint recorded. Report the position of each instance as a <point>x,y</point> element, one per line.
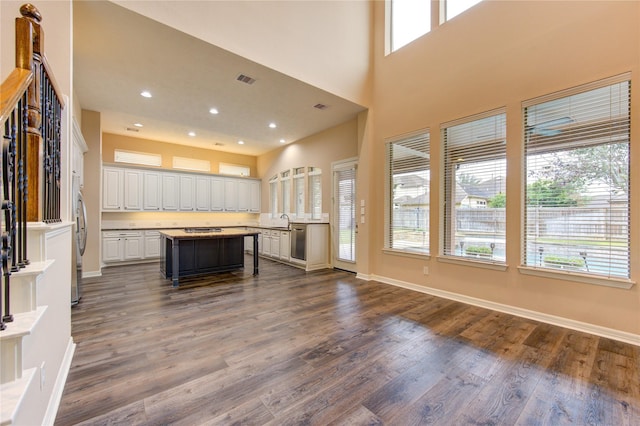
<point>206,233</point>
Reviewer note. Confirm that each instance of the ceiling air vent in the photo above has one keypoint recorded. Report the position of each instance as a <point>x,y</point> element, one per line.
<point>246,79</point>
<point>218,144</point>
<point>132,129</point>
<point>321,106</point>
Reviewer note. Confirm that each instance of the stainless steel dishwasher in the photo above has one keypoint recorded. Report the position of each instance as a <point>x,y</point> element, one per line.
<point>298,241</point>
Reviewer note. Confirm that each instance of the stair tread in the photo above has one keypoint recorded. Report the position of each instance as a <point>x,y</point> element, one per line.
<point>35,268</point>
<point>12,394</point>
<point>22,324</point>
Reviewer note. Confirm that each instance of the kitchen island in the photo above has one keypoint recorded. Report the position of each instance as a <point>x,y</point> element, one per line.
<point>197,251</point>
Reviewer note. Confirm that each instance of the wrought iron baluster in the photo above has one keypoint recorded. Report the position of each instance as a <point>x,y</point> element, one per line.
<point>6,253</point>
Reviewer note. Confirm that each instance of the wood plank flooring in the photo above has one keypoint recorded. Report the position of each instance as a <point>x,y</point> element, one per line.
<point>291,348</point>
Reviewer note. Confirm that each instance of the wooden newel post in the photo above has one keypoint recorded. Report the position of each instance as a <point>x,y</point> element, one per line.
<point>29,48</point>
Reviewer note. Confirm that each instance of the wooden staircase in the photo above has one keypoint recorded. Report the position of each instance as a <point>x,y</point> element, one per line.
<point>36,347</point>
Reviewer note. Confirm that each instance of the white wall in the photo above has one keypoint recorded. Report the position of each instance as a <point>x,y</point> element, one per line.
<point>323,43</point>
<point>499,54</point>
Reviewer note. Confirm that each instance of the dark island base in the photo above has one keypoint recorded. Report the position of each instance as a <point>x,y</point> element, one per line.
<point>203,256</point>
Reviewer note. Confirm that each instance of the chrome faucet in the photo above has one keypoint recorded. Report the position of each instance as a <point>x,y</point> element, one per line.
<point>286,216</point>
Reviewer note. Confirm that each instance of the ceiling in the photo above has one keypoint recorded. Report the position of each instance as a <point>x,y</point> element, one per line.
<point>118,54</point>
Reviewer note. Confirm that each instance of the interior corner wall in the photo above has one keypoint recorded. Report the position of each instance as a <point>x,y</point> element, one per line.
<point>322,43</point>
<point>499,54</point>
<point>92,191</point>
<point>319,150</point>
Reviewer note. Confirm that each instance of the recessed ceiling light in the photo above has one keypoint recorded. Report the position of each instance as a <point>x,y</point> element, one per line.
<point>282,141</point>
<point>138,124</point>
<point>145,94</point>
<point>213,110</point>
<point>240,142</point>
<point>272,125</point>
<point>191,134</point>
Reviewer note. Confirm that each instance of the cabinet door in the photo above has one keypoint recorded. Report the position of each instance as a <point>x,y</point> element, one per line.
<point>111,189</point>
<point>151,246</point>
<point>203,193</point>
<point>285,245</point>
<point>266,243</point>
<point>151,194</point>
<point>170,194</point>
<point>230,195</point>
<point>244,195</point>
<point>111,250</point>
<point>133,248</point>
<point>217,194</point>
<point>275,243</point>
<point>187,192</point>
<point>254,196</point>
<point>132,189</point>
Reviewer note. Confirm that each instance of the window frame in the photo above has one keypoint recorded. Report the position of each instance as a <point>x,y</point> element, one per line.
<point>447,211</point>
<point>548,272</point>
<point>422,135</point>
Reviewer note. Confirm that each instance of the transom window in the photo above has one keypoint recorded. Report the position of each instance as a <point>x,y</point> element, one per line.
<point>577,181</point>
<point>408,20</point>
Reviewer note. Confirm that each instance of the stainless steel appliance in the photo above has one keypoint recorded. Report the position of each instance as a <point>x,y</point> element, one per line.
<point>79,243</point>
<point>299,241</point>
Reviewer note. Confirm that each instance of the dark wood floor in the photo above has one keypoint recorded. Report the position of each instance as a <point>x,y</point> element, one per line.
<point>290,348</point>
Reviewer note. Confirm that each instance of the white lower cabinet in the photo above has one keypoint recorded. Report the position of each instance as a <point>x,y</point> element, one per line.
<point>285,245</point>
<point>151,244</point>
<point>276,244</point>
<point>130,246</point>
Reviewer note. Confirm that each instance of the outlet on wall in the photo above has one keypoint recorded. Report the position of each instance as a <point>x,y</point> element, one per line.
<point>425,270</point>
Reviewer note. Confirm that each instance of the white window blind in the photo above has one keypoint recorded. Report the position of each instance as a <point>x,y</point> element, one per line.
<point>408,178</point>
<point>315,192</point>
<point>347,227</point>
<point>273,195</point>
<point>298,191</point>
<point>285,181</point>
<point>577,180</point>
<point>474,187</point>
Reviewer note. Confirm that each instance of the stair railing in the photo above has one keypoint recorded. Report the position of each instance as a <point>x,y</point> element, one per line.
<point>30,113</point>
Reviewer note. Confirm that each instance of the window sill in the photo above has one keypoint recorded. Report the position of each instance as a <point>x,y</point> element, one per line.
<point>406,253</point>
<point>473,263</point>
<point>577,277</point>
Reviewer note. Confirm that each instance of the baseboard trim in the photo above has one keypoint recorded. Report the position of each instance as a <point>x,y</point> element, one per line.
<point>610,333</point>
<point>92,274</point>
<point>58,389</point>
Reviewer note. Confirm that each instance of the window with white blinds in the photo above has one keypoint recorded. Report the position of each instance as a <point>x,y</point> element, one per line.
<point>285,181</point>
<point>577,180</point>
<point>408,179</point>
<point>315,192</point>
<point>345,193</point>
<point>273,196</point>
<point>474,187</point>
<point>298,191</point>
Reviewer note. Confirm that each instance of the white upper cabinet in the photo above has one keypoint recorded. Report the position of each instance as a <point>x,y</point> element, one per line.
<point>151,191</point>
<point>170,191</point>
<point>244,196</point>
<point>254,194</point>
<point>129,189</point>
<point>112,189</point>
<point>230,195</point>
<point>217,194</point>
<point>132,190</point>
<point>203,193</point>
<point>187,192</point>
